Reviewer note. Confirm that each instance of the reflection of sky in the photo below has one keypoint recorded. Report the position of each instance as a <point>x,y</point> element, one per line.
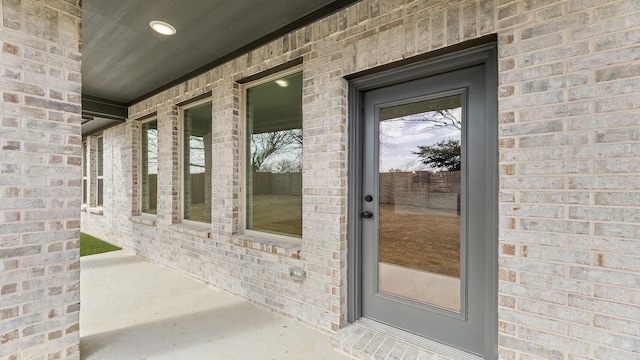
<point>291,153</point>
<point>196,154</point>
<point>152,167</point>
<point>288,154</point>
<point>152,151</point>
<point>400,137</point>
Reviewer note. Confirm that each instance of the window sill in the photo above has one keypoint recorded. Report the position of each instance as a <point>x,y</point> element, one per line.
<point>83,207</point>
<point>282,248</point>
<point>195,229</point>
<point>145,219</point>
<point>96,210</point>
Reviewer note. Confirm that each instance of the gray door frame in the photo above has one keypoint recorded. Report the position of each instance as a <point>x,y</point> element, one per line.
<point>486,55</point>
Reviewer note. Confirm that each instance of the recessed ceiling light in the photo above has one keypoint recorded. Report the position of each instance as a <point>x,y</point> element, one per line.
<point>162,27</point>
<point>282,82</point>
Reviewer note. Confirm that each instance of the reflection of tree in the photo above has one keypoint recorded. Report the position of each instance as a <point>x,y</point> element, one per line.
<point>264,145</point>
<point>436,119</point>
<point>283,166</point>
<point>444,155</point>
<point>196,154</point>
<point>151,155</point>
<point>411,165</point>
<point>423,122</point>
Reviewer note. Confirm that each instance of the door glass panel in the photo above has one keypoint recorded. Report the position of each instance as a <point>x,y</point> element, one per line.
<point>419,200</point>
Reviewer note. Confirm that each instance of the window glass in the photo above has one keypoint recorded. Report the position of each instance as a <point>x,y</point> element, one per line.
<point>419,220</point>
<point>149,166</point>
<point>274,156</point>
<point>84,173</point>
<point>197,163</point>
<point>100,170</point>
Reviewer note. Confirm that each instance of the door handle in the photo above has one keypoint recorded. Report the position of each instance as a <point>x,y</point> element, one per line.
<point>367,214</point>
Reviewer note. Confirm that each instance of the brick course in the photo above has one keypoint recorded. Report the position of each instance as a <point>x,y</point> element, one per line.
<point>568,89</point>
<point>40,190</point>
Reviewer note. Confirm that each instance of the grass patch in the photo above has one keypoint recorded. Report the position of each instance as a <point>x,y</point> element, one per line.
<point>90,245</point>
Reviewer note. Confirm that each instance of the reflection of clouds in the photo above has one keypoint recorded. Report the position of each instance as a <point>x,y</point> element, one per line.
<point>400,137</point>
<point>397,131</point>
<point>196,155</point>
<point>291,153</point>
<point>278,151</point>
<point>393,162</point>
<point>152,147</point>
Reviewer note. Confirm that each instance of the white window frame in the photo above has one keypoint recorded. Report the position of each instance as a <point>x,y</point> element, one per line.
<point>140,186</point>
<point>243,161</point>
<point>181,128</point>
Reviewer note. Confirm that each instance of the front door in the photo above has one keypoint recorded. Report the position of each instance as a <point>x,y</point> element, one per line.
<point>425,186</point>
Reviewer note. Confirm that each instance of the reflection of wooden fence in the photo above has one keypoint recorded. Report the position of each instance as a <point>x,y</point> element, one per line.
<point>422,189</point>
<point>263,183</point>
<point>197,189</point>
<point>277,184</point>
<point>153,191</point>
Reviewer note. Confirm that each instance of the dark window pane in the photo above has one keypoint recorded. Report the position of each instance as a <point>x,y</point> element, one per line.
<point>84,191</point>
<point>84,159</point>
<point>149,167</point>
<point>197,163</point>
<point>100,170</point>
<point>274,156</point>
<point>100,156</point>
<point>100,190</point>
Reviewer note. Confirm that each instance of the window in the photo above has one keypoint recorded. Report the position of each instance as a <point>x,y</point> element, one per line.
<point>85,163</point>
<point>274,156</point>
<point>149,167</point>
<point>100,170</point>
<point>197,163</point>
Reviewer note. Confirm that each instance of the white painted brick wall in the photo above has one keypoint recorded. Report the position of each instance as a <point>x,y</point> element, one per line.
<point>569,75</point>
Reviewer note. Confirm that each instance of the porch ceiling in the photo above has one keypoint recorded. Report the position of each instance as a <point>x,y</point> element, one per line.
<point>124,60</point>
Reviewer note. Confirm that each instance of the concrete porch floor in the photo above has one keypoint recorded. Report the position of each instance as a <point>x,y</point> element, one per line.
<point>134,309</point>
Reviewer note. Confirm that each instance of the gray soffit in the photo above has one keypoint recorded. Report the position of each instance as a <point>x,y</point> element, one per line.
<point>125,61</point>
<point>98,114</point>
<point>94,125</point>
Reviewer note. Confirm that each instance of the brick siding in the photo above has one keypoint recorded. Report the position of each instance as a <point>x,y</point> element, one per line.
<point>40,179</point>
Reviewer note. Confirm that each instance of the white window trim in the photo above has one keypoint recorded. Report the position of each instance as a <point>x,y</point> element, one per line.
<point>182,109</point>
<point>140,166</point>
<point>243,162</point>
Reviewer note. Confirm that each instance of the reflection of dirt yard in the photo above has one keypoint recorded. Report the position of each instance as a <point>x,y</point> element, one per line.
<point>273,213</point>
<point>277,213</point>
<point>423,240</point>
<point>410,237</point>
<point>420,239</point>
